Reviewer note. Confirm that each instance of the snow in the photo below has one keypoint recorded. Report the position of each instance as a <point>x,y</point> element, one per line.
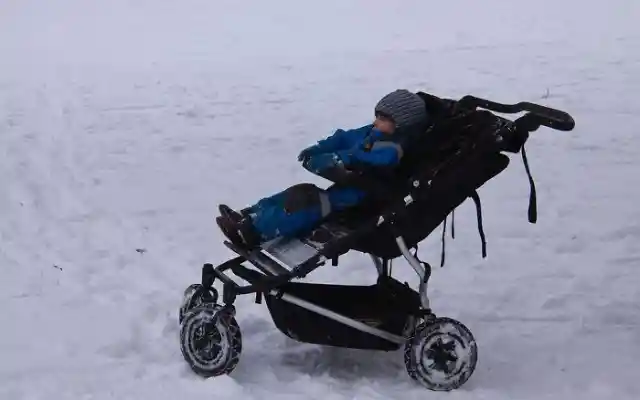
<point>123,124</point>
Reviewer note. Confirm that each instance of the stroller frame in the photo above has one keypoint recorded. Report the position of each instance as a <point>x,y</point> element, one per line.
<point>384,316</point>
<point>276,274</point>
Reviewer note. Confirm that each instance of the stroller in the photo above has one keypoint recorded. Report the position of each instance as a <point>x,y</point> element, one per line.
<point>446,164</point>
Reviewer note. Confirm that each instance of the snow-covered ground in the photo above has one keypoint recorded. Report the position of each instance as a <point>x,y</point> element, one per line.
<point>124,123</point>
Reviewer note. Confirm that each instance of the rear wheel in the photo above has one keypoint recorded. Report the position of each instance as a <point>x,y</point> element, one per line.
<point>441,355</point>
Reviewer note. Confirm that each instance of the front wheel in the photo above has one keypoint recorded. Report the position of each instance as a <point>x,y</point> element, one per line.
<point>196,295</point>
<point>441,355</point>
<point>210,340</point>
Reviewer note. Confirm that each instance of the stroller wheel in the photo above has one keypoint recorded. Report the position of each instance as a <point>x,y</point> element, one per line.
<point>210,340</point>
<point>194,296</point>
<point>441,354</point>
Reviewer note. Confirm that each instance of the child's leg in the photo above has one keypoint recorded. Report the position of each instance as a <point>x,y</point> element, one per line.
<point>298,209</point>
<point>272,221</point>
<point>344,197</point>
<point>291,212</point>
<point>271,201</point>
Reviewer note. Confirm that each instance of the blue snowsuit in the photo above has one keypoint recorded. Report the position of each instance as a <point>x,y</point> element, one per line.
<point>301,207</point>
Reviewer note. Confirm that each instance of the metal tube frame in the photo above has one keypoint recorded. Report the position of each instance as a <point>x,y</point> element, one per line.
<point>377,261</point>
<point>420,270</point>
<point>381,266</point>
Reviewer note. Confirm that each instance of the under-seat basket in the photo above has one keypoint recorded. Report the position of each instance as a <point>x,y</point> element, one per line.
<point>386,305</point>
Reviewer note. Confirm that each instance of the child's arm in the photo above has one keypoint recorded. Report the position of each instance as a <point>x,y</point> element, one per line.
<point>383,154</point>
<point>340,140</point>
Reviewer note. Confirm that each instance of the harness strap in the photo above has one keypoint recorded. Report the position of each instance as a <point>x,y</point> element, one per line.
<point>453,220</point>
<point>444,230</point>
<point>476,199</point>
<point>532,212</point>
<point>533,204</point>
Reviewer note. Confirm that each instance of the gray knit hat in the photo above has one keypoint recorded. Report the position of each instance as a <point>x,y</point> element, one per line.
<point>404,107</point>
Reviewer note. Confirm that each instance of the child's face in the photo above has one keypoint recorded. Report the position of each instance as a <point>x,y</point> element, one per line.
<point>384,125</point>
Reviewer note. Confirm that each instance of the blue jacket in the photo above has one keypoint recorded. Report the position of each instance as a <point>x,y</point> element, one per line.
<point>354,148</point>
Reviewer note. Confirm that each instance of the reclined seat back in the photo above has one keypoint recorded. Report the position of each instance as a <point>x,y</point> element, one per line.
<point>449,162</point>
<point>442,167</point>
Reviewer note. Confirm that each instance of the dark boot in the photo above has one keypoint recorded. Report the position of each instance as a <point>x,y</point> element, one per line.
<point>248,233</point>
<point>228,212</point>
<point>238,230</point>
<point>228,229</point>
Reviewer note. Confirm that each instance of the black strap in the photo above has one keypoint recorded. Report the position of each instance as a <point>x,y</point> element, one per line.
<point>533,204</point>
<point>453,220</point>
<point>444,231</point>
<point>476,199</point>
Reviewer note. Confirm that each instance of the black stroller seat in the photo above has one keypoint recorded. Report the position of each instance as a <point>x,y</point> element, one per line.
<point>442,167</point>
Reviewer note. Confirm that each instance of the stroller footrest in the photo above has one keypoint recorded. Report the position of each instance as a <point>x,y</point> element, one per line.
<point>262,261</point>
<point>258,282</point>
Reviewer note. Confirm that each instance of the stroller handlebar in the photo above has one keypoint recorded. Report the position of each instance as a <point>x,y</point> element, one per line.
<point>543,115</point>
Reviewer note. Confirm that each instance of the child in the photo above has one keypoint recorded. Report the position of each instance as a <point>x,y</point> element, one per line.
<point>370,149</point>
